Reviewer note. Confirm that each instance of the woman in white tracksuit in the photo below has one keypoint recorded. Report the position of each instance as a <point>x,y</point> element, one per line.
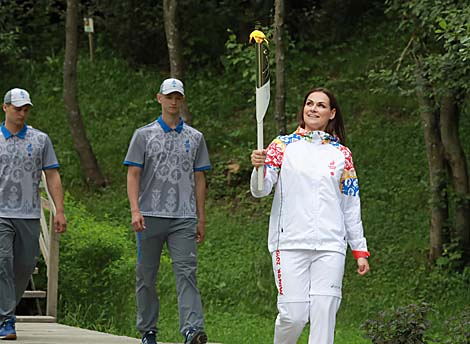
<point>315,213</point>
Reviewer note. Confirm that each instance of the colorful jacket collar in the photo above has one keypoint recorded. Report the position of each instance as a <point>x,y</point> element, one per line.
<point>316,135</point>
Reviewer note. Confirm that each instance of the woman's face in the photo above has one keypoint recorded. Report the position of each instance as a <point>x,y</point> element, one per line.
<point>317,111</point>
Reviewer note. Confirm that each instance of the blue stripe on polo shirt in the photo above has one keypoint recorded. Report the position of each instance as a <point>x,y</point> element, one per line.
<point>204,168</point>
<point>51,167</point>
<point>130,163</point>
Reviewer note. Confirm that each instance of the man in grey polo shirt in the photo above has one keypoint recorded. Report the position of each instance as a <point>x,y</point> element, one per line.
<point>166,188</point>
<point>24,153</point>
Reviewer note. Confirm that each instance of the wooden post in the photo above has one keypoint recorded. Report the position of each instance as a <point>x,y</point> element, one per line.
<point>90,43</point>
<point>88,26</point>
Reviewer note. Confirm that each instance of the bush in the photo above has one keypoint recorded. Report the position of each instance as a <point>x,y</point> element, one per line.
<point>405,325</point>
<point>458,328</point>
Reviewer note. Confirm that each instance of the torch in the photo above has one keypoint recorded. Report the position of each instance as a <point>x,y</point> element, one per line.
<point>262,91</point>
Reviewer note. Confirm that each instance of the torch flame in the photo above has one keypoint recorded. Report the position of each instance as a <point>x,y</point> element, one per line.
<point>258,36</point>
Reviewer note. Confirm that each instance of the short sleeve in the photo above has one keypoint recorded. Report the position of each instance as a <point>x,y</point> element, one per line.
<point>49,159</point>
<point>136,153</point>
<point>202,162</point>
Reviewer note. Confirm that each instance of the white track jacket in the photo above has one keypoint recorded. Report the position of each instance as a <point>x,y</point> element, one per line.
<point>316,203</point>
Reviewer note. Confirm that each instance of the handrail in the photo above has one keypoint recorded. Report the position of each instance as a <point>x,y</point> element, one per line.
<point>49,244</point>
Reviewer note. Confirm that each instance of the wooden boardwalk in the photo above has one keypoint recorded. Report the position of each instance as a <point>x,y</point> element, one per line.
<point>53,333</point>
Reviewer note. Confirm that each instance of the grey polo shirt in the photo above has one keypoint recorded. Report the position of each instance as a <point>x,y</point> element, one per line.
<point>22,158</point>
<point>168,158</point>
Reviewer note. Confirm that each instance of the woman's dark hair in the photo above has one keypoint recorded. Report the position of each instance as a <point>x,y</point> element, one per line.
<point>335,126</point>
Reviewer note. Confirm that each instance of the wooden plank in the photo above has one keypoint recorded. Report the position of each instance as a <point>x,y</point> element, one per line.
<point>53,274</point>
<point>44,249</point>
<point>49,243</point>
<point>53,333</point>
<point>35,319</point>
<point>49,197</point>
<point>29,294</point>
<point>44,227</point>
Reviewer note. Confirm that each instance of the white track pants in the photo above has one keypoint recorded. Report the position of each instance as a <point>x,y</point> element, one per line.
<point>309,289</point>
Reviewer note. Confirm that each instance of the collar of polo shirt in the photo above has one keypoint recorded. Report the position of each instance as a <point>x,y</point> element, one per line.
<point>21,134</point>
<point>167,129</point>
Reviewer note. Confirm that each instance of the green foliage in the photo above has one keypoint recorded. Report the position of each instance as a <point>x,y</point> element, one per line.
<point>457,328</point>
<point>29,29</point>
<point>455,32</point>
<point>432,66</point>
<point>451,258</point>
<point>135,29</point>
<point>9,35</point>
<point>95,258</point>
<point>118,23</point>
<point>439,43</point>
<point>8,46</point>
<point>239,58</point>
<point>404,325</point>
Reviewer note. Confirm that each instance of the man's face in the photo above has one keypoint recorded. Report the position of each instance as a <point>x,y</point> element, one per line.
<point>171,103</point>
<point>16,116</point>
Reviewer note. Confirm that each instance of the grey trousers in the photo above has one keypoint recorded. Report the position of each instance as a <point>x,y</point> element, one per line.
<point>19,252</point>
<point>180,237</point>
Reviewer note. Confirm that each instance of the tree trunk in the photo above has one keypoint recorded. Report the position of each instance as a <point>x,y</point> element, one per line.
<point>87,158</point>
<point>459,172</point>
<point>173,40</point>
<point>280,102</point>
<point>437,172</point>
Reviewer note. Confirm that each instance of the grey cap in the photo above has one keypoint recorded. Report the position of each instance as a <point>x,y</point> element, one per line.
<point>17,97</point>
<point>171,85</point>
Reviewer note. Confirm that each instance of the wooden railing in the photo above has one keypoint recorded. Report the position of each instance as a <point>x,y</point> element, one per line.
<point>49,244</point>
